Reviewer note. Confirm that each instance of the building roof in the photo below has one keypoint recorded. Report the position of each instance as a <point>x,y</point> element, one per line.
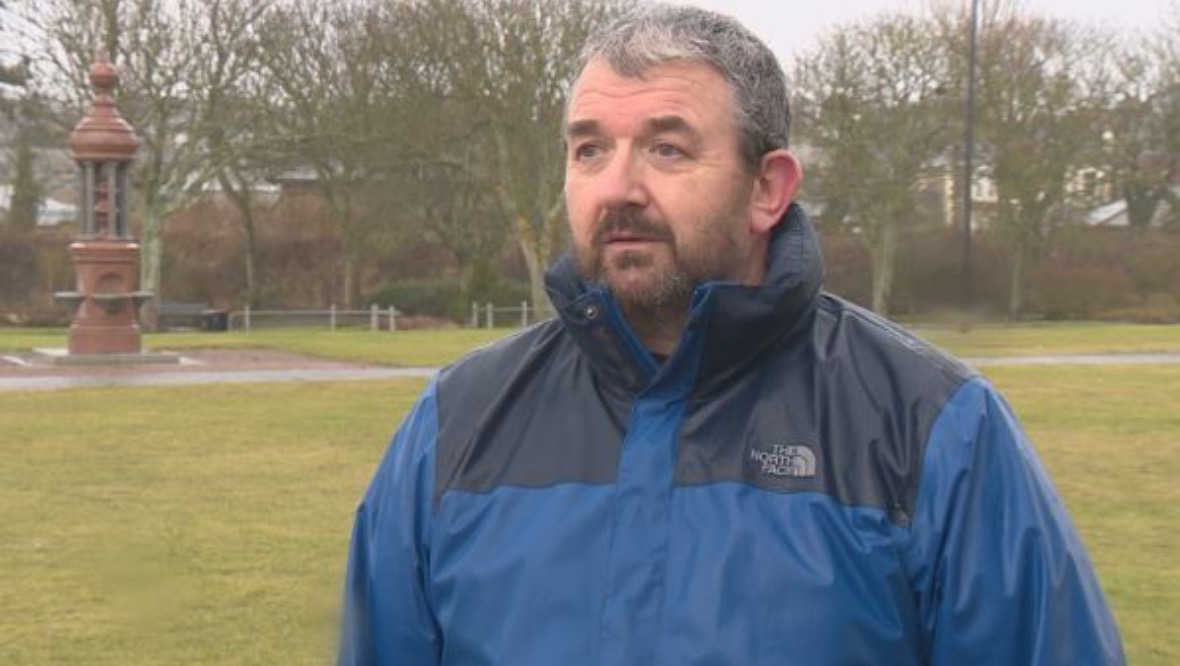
<point>51,213</point>
<point>1114,214</point>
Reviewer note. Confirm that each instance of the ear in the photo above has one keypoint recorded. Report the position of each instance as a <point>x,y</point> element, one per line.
<point>778,178</point>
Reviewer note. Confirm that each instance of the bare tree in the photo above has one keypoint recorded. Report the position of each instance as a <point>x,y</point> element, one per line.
<point>233,130</point>
<point>351,91</point>
<point>1169,52</point>
<point>1039,121</point>
<point>1137,154</point>
<point>509,64</point>
<point>870,98</point>
<point>329,103</point>
<point>167,91</point>
<point>458,213</point>
<point>19,109</point>
<point>26,190</point>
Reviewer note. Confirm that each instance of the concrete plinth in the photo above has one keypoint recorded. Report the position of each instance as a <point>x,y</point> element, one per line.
<point>67,357</point>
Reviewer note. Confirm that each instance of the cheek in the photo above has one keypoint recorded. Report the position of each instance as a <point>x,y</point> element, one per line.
<point>718,223</point>
<point>581,225</point>
<point>581,211</point>
<point>575,211</point>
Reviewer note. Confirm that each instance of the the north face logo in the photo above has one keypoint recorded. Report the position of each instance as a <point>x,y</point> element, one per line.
<point>786,460</point>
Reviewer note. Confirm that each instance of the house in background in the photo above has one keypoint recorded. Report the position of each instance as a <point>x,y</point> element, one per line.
<point>1114,214</point>
<point>51,213</point>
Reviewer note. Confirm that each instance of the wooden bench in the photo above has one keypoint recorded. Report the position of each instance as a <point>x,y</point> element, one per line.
<point>190,315</point>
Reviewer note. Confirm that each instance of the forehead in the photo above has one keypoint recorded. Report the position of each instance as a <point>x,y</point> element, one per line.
<point>690,89</point>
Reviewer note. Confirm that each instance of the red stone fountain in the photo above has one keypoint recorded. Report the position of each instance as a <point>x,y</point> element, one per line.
<point>105,256</point>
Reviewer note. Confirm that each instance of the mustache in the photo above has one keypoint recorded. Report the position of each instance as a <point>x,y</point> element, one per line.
<point>631,222</point>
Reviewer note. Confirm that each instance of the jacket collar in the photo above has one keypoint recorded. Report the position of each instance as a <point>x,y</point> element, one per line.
<point>729,327</point>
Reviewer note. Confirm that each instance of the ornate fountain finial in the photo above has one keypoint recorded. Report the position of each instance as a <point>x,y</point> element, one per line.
<point>102,134</point>
<point>103,75</point>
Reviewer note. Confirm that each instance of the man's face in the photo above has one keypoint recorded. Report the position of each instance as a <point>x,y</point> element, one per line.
<point>657,194</point>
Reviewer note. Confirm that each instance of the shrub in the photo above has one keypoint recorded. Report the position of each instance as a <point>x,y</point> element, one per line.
<point>1081,291</point>
<point>846,267</point>
<point>432,298</point>
<point>1124,274</point>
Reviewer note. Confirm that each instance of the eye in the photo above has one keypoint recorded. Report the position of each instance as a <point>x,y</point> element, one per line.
<point>665,150</point>
<point>585,151</point>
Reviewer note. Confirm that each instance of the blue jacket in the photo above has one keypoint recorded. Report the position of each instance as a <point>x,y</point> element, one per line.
<point>800,483</point>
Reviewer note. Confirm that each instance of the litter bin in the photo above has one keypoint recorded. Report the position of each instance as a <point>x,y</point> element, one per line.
<point>214,320</point>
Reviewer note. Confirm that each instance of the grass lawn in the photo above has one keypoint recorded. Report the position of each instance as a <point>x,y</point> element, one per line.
<point>399,348</point>
<point>1110,437</point>
<point>198,525</point>
<point>1057,338</point>
<point>209,524</point>
<point>429,348</point>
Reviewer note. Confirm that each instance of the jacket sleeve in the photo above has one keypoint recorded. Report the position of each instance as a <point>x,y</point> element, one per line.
<point>1000,574</point>
<point>388,620</point>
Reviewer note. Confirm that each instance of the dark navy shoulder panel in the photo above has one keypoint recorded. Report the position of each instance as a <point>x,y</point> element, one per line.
<point>843,408</point>
<point>526,411</point>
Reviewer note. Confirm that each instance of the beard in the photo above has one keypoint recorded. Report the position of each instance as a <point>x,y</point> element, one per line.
<point>658,279</point>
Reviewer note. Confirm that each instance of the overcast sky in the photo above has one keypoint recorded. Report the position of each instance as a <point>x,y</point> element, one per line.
<point>789,25</point>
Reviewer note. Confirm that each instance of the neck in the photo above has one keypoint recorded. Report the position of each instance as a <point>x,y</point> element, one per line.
<point>659,329</point>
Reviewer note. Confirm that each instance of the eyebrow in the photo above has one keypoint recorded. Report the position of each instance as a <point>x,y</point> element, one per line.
<point>674,124</point>
<point>658,125</point>
<point>580,128</point>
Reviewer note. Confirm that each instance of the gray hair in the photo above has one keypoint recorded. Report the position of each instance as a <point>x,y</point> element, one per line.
<point>654,34</point>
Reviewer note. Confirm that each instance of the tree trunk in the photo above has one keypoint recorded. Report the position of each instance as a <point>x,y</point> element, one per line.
<point>536,268</point>
<point>342,210</point>
<point>239,196</point>
<point>26,193</point>
<point>1016,286</point>
<point>350,277</point>
<point>150,258</point>
<point>536,229</point>
<point>884,254</point>
<point>535,244</point>
<point>251,289</point>
<point>468,287</point>
<point>477,279</point>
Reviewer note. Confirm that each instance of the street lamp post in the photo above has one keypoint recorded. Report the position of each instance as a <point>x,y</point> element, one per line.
<point>969,157</point>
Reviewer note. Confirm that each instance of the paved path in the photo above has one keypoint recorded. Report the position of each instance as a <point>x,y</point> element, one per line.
<point>1079,359</point>
<point>55,382</point>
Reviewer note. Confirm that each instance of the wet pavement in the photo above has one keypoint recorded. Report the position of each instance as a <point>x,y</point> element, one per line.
<point>56,382</point>
<point>1079,359</point>
<point>41,371</point>
<point>16,374</point>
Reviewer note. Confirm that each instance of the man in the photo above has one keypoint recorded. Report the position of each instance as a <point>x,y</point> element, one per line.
<point>705,459</point>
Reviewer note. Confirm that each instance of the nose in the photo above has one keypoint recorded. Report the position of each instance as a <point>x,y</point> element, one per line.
<point>622,182</point>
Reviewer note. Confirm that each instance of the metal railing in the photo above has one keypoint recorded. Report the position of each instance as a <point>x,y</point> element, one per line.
<point>490,316</point>
<point>375,318</point>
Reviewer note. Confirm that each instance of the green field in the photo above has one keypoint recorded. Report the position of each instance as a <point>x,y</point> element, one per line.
<point>408,348</point>
<point>1058,338</point>
<point>194,525</point>
<point>1110,437</point>
<point>399,348</point>
<point>209,525</point>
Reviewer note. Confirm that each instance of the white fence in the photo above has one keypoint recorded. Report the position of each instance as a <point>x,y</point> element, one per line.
<point>491,316</point>
<point>375,318</point>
